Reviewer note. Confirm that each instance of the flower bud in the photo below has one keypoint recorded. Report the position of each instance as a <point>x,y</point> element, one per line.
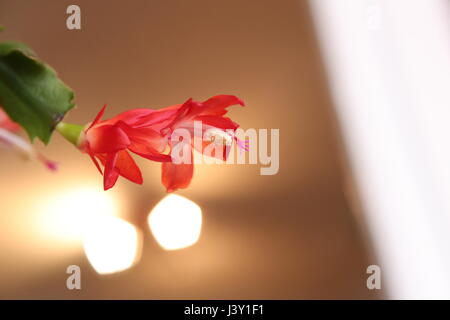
<point>71,132</point>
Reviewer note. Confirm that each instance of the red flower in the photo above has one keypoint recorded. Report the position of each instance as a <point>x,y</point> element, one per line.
<point>109,142</point>
<point>148,132</point>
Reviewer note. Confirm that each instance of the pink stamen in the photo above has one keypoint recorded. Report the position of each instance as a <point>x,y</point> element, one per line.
<point>52,166</point>
<point>243,145</point>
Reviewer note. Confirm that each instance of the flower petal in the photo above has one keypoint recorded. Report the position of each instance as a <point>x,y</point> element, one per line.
<point>217,105</point>
<point>107,138</point>
<point>96,163</point>
<point>111,174</point>
<point>158,119</point>
<point>128,168</point>
<point>146,142</point>
<point>145,136</point>
<point>124,166</point>
<point>98,117</point>
<point>177,176</point>
<point>138,118</point>
<point>181,113</point>
<point>150,154</point>
<point>217,122</point>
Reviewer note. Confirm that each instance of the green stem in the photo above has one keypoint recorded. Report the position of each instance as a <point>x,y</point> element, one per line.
<point>70,131</point>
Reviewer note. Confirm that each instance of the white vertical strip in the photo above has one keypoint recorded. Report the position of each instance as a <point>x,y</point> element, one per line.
<point>389,68</point>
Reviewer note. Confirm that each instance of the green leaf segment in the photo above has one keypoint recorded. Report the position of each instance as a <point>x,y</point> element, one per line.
<point>30,91</point>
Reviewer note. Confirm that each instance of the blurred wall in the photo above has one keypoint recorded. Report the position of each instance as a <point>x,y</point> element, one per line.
<point>291,235</point>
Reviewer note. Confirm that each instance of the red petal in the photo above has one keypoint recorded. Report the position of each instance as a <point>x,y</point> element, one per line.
<point>217,122</point>
<point>150,154</point>
<point>111,174</point>
<point>96,163</point>
<point>181,113</point>
<point>146,142</point>
<point>127,168</point>
<point>217,105</point>
<point>124,165</point>
<point>98,117</point>
<point>177,176</point>
<point>130,116</point>
<point>107,138</point>
<point>145,136</point>
<point>158,119</point>
<point>138,118</point>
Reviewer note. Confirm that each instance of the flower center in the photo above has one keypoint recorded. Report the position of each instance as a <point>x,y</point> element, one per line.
<point>219,137</point>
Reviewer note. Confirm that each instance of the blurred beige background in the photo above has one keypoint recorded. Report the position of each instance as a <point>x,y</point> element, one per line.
<point>288,236</point>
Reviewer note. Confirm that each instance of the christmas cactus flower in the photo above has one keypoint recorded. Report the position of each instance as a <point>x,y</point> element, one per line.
<point>10,137</point>
<point>148,133</point>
